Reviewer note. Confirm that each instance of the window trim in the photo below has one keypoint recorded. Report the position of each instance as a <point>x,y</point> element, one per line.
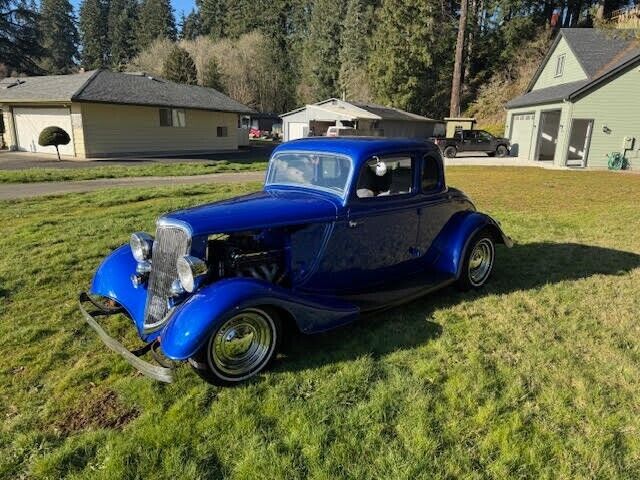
<point>560,63</point>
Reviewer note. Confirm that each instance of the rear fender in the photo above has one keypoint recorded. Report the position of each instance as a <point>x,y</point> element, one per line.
<point>113,280</point>
<point>194,321</point>
<point>447,251</point>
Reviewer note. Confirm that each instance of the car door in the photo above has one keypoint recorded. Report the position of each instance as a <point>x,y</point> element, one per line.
<point>469,142</point>
<point>484,142</point>
<point>376,242</point>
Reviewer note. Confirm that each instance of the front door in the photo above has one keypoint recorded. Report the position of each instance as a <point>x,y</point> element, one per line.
<point>579,142</point>
<point>376,243</point>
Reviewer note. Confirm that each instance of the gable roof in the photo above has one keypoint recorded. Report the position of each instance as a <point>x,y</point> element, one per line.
<point>104,86</point>
<point>598,52</point>
<point>356,110</point>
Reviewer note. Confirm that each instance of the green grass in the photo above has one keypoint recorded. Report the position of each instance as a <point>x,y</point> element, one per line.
<point>537,376</point>
<point>31,175</point>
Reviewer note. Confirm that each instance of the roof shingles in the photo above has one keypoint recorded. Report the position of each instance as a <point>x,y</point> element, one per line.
<point>121,88</point>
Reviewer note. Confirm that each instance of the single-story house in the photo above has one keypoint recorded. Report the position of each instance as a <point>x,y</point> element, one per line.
<point>583,102</point>
<point>112,114</point>
<point>366,118</point>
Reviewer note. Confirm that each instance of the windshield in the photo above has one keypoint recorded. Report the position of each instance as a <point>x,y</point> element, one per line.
<point>314,170</point>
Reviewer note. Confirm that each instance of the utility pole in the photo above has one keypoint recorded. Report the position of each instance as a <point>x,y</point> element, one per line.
<point>456,84</point>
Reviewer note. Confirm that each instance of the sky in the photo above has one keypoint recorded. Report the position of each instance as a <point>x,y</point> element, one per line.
<point>178,6</point>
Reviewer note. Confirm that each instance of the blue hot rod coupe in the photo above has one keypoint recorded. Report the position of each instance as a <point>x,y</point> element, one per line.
<point>343,226</point>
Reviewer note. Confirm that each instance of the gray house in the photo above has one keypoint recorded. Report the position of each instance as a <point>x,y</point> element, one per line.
<point>365,118</point>
<point>582,103</point>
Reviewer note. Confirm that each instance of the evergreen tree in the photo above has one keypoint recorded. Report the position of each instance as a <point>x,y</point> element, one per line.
<point>93,34</point>
<point>213,14</point>
<point>354,52</point>
<point>156,21</point>
<point>211,75</point>
<point>122,22</point>
<point>410,64</point>
<point>59,36</point>
<point>320,58</point>
<point>19,37</point>
<point>191,26</point>
<point>180,67</point>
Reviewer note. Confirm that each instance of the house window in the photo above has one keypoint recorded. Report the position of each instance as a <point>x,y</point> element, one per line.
<point>560,65</point>
<point>173,117</point>
<point>222,132</point>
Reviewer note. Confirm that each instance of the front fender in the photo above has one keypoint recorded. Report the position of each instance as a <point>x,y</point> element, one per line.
<point>113,280</point>
<point>194,321</point>
<point>448,249</point>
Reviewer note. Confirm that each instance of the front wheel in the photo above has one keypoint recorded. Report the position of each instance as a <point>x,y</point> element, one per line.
<point>240,348</point>
<point>478,262</point>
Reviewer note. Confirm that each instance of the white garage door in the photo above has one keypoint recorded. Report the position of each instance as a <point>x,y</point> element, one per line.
<point>297,130</point>
<point>30,122</point>
<point>521,134</point>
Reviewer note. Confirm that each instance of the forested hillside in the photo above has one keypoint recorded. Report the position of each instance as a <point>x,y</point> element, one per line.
<point>277,54</point>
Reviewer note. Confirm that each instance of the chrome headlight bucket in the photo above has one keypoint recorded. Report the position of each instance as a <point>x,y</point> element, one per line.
<point>141,246</point>
<point>191,272</point>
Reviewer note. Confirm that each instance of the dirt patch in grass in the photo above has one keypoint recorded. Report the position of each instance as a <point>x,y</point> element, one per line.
<point>100,410</point>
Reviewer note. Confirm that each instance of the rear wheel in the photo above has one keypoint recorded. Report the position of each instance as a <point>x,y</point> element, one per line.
<point>478,262</point>
<point>450,152</point>
<point>502,151</point>
<point>240,348</point>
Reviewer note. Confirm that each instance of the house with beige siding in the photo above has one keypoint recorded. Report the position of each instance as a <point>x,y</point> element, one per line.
<point>111,114</point>
<point>583,102</point>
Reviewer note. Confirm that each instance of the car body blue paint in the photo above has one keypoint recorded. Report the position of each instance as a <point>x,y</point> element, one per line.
<point>194,321</point>
<point>343,254</point>
<point>113,280</point>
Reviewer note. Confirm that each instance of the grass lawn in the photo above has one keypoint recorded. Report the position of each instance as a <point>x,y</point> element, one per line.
<point>537,376</point>
<point>31,175</point>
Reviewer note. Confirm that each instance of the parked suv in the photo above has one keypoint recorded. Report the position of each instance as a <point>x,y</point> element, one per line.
<point>473,141</point>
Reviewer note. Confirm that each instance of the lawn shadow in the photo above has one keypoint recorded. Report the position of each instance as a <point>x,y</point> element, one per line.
<point>523,267</point>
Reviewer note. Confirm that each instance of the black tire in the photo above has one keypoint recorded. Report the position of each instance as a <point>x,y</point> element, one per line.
<point>479,259</point>
<point>450,151</point>
<point>215,361</point>
<point>502,151</point>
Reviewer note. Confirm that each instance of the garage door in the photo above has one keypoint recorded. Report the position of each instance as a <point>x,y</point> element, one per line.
<point>521,134</point>
<point>297,130</point>
<point>30,122</point>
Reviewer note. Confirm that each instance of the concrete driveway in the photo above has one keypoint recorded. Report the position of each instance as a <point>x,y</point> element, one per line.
<point>258,152</point>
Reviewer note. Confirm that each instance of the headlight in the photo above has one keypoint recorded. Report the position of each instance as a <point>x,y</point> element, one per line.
<point>141,245</point>
<point>191,272</point>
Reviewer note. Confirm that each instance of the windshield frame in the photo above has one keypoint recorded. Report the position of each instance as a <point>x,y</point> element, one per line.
<point>347,187</point>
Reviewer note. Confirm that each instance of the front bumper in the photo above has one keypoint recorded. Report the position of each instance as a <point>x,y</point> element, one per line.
<point>158,372</point>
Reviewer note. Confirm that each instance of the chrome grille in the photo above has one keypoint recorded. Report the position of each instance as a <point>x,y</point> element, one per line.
<point>170,243</point>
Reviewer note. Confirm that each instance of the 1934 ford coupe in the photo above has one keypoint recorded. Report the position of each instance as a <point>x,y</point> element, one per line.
<point>343,226</point>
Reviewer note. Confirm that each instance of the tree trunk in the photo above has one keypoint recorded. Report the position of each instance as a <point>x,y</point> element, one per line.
<point>454,108</point>
<point>58,152</point>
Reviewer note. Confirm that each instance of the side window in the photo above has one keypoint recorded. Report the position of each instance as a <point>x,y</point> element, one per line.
<point>222,132</point>
<point>484,136</point>
<point>560,65</point>
<point>470,135</point>
<point>430,174</point>
<point>385,176</point>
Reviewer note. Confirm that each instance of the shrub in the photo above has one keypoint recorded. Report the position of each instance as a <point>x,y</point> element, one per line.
<point>53,137</point>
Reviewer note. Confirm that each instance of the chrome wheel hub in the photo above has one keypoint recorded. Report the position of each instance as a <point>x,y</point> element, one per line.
<point>481,262</point>
<point>243,344</point>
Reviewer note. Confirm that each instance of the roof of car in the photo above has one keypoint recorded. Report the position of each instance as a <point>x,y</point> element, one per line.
<point>358,148</point>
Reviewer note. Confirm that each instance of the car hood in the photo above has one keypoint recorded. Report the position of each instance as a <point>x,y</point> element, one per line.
<point>273,208</point>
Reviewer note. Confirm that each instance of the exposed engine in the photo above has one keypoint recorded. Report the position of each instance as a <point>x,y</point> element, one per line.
<point>246,254</point>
